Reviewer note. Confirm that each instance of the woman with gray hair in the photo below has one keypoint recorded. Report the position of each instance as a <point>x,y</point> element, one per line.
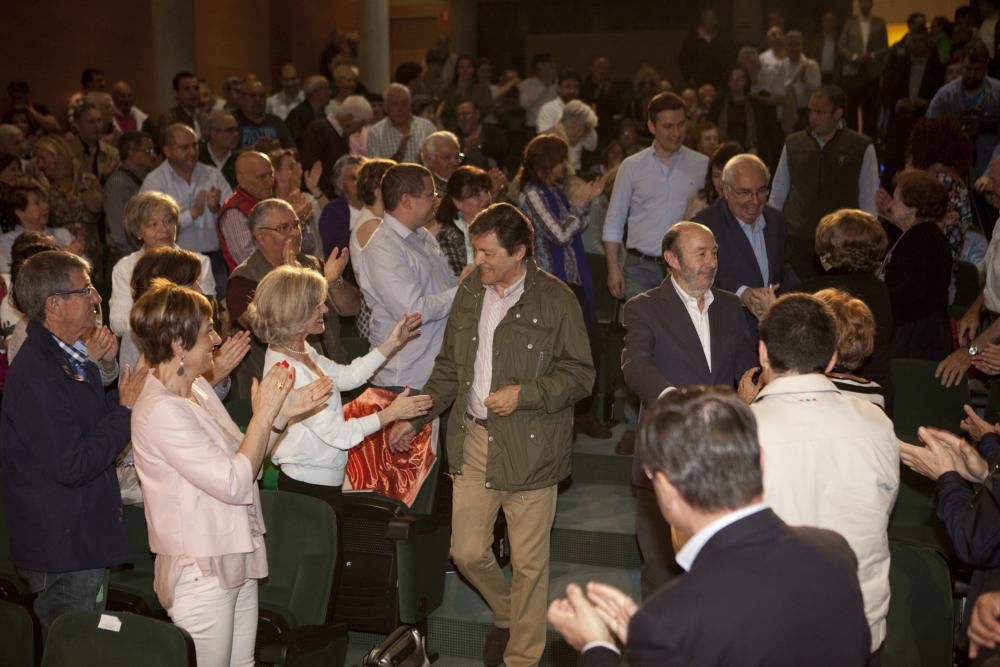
<point>577,129</point>
<point>341,215</point>
<point>151,219</point>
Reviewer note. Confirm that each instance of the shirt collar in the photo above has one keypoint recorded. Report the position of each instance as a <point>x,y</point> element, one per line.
<point>689,552</point>
<point>690,302</point>
<point>77,352</point>
<point>808,383</point>
<point>514,290</point>
<point>395,225</point>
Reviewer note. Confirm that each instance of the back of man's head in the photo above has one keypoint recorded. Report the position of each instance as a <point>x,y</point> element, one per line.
<point>704,440</point>
<point>800,335</point>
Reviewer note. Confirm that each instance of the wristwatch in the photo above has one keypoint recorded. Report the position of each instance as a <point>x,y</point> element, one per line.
<point>974,350</point>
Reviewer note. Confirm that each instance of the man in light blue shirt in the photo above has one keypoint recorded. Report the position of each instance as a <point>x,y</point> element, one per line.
<point>402,270</point>
<point>199,190</point>
<point>651,193</point>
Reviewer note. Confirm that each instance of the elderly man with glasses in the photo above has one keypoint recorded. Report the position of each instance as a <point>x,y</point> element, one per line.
<point>751,236</point>
<point>59,439</point>
<point>277,239</point>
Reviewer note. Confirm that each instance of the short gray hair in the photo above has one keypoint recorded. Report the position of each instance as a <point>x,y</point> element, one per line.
<point>395,89</point>
<point>737,161</point>
<point>342,163</point>
<point>42,276</point>
<point>434,138</point>
<point>315,83</point>
<point>577,111</point>
<point>260,214</point>
<point>357,107</point>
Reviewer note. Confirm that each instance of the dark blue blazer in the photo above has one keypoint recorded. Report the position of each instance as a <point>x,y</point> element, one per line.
<point>759,593</point>
<point>737,263</point>
<point>59,437</point>
<point>662,348</point>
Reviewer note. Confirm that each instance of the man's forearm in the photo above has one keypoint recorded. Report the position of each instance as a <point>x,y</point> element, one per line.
<point>346,298</point>
<point>611,251</point>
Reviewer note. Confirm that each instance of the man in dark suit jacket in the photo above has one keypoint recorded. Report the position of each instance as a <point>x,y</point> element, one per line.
<point>668,330</point>
<point>863,48</point>
<point>751,237</point>
<point>905,106</point>
<point>756,592</point>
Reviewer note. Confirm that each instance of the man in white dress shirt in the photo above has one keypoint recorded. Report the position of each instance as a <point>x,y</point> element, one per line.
<point>198,189</point>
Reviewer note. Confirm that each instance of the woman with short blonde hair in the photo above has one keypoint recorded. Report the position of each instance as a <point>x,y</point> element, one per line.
<point>288,306</point>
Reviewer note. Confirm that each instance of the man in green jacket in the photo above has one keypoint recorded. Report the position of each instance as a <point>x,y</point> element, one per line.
<point>514,361</point>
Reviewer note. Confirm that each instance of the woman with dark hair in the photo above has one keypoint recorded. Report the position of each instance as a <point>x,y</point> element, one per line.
<point>14,323</point>
<point>917,269</point>
<point>559,220</point>
<point>712,190</point>
<point>467,193</point>
<point>288,180</point>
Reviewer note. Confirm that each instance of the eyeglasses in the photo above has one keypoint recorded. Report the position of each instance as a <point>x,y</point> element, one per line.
<point>89,290</point>
<point>744,193</point>
<point>286,228</point>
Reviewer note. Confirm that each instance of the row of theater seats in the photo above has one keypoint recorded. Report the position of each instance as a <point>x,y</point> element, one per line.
<point>393,560</point>
<point>391,573</point>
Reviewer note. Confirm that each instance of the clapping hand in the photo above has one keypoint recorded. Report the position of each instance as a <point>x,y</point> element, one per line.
<point>933,460</point>
<point>405,406</point>
<point>313,175</point>
<point>585,193</point>
<point>131,382</point>
<point>577,620</point>
<point>988,361</point>
<point>406,329</point>
<point>102,345</point>
<point>614,607</point>
<point>984,628</point>
<point>229,355</point>
<point>335,264</point>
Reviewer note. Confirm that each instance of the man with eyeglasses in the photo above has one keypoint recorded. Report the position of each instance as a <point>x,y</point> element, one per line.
<point>277,237</point>
<point>137,159</point>
<point>822,168</point>
<point>441,154</point>
<point>60,434</point>
<point>404,271</point>
<point>751,236</point>
<point>218,150</point>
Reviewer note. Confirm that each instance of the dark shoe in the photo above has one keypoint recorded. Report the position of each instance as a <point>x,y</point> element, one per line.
<point>626,446</point>
<point>495,645</point>
<point>586,424</point>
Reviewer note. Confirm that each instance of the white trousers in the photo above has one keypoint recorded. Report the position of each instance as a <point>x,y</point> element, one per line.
<point>221,621</point>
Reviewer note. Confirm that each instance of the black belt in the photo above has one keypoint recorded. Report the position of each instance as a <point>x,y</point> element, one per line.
<point>476,420</point>
<point>644,256</point>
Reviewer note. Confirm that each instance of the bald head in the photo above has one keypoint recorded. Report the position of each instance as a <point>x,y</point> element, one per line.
<point>12,141</point>
<point>121,94</point>
<point>180,147</point>
<point>255,174</point>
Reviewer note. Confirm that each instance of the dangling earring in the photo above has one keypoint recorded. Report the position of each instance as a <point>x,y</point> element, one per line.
<point>180,369</point>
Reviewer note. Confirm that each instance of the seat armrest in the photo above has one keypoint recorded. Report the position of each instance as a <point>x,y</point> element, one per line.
<point>409,526</point>
<point>302,640</point>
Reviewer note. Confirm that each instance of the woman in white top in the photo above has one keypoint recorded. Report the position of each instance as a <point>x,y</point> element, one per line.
<point>288,305</point>
<point>152,219</point>
<point>199,473</point>
<point>370,193</point>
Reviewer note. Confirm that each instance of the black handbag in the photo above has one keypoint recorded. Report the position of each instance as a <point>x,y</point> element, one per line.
<point>403,648</point>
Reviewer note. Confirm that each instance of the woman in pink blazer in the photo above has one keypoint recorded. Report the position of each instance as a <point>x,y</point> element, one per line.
<point>198,473</point>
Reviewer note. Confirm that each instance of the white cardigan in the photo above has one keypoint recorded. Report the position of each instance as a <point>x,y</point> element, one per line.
<point>314,450</point>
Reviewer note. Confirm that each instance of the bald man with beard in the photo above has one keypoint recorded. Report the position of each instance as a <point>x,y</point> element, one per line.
<point>254,183</point>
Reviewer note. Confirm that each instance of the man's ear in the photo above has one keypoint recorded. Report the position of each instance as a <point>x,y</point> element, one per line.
<point>765,362</point>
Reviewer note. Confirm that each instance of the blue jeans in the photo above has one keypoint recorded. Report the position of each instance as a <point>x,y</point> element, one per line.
<point>62,592</point>
<point>641,275</point>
